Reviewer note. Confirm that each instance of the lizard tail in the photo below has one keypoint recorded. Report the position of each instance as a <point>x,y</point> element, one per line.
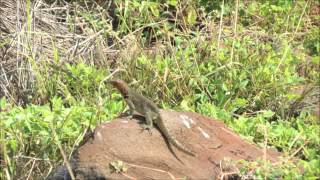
<point>171,139</point>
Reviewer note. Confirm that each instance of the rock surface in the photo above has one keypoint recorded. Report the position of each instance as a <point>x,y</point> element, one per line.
<point>146,154</point>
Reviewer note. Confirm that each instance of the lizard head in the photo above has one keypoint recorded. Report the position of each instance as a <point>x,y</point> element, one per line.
<point>121,86</point>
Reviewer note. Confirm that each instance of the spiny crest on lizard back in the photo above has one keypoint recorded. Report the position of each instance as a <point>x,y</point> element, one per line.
<point>121,86</point>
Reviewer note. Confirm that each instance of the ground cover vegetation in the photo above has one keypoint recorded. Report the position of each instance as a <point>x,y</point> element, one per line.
<point>252,64</point>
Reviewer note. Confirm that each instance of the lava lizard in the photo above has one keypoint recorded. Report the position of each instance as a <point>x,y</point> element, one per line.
<point>149,110</point>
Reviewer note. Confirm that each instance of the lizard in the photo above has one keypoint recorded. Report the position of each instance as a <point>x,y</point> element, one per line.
<point>149,110</point>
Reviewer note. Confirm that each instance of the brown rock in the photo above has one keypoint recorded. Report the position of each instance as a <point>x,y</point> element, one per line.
<point>147,156</point>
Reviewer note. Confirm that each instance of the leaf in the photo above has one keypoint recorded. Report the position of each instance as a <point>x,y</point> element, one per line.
<point>3,103</point>
<point>268,114</point>
<point>185,104</point>
<point>192,16</point>
<point>118,166</point>
<point>142,60</point>
<point>240,102</point>
<point>172,2</point>
<point>154,9</point>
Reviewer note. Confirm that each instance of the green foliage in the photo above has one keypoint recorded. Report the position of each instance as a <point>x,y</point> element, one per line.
<point>118,166</point>
<point>28,131</point>
<point>312,42</point>
<point>75,83</point>
<point>284,169</point>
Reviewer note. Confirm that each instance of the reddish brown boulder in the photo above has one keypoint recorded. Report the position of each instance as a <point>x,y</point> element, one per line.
<point>146,155</point>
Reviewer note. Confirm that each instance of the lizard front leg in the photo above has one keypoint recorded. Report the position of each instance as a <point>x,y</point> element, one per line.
<point>132,108</point>
<point>149,120</point>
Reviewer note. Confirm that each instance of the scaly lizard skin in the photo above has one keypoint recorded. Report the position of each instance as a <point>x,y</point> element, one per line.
<point>149,110</point>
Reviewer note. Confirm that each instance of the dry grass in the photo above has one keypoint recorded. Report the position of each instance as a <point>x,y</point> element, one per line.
<point>33,36</point>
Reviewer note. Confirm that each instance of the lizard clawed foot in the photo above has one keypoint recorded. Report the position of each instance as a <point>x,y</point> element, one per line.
<point>130,117</point>
<point>146,127</point>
